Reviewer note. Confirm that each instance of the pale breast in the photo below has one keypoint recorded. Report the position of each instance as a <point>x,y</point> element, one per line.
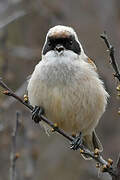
<point>72,96</point>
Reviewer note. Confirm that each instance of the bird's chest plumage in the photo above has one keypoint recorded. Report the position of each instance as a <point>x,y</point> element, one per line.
<point>69,94</point>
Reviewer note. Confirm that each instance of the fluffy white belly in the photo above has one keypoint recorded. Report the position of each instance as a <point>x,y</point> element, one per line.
<point>72,96</point>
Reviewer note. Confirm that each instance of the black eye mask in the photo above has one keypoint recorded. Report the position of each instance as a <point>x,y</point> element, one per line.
<point>69,43</point>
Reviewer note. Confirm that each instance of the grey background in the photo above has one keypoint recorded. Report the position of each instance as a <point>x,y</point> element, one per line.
<point>23,27</point>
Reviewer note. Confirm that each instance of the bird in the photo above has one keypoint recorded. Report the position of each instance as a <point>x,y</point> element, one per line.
<point>66,84</point>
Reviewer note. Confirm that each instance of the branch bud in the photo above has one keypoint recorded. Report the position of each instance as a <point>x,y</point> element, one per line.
<point>6,92</point>
<point>110,161</point>
<point>17,155</point>
<point>118,88</point>
<point>52,130</point>
<point>96,152</point>
<point>104,167</point>
<point>97,165</point>
<point>55,125</point>
<point>81,151</point>
<point>25,98</point>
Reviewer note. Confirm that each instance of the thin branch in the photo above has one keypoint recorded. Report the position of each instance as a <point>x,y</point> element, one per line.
<point>19,92</point>
<point>106,166</point>
<point>9,92</point>
<point>117,170</point>
<point>14,155</point>
<point>12,18</point>
<point>117,75</point>
<point>112,57</point>
<point>4,86</point>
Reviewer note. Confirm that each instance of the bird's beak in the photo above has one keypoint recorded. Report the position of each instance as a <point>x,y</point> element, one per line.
<point>59,48</point>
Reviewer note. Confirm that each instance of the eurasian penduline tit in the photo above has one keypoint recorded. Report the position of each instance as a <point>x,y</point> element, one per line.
<point>66,84</point>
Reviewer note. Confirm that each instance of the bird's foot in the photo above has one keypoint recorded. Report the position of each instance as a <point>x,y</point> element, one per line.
<point>77,142</point>
<point>36,113</point>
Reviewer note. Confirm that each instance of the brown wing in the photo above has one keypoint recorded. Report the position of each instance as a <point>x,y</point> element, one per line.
<point>90,61</point>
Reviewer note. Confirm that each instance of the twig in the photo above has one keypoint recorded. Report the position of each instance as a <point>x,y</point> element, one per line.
<point>106,166</point>
<point>9,101</point>
<point>14,155</point>
<point>117,170</point>
<point>112,57</point>
<point>9,92</point>
<point>11,18</point>
<point>117,75</point>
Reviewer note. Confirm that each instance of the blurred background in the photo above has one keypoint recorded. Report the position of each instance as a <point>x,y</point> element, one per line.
<point>23,27</point>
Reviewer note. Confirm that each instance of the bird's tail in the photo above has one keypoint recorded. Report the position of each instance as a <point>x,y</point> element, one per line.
<point>92,142</point>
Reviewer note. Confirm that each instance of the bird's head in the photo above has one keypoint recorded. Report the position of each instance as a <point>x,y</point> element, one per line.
<point>60,40</point>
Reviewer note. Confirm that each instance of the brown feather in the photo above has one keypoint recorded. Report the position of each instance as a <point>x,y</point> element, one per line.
<point>90,61</point>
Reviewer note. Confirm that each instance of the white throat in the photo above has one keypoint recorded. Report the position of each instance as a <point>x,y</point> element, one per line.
<point>64,55</point>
